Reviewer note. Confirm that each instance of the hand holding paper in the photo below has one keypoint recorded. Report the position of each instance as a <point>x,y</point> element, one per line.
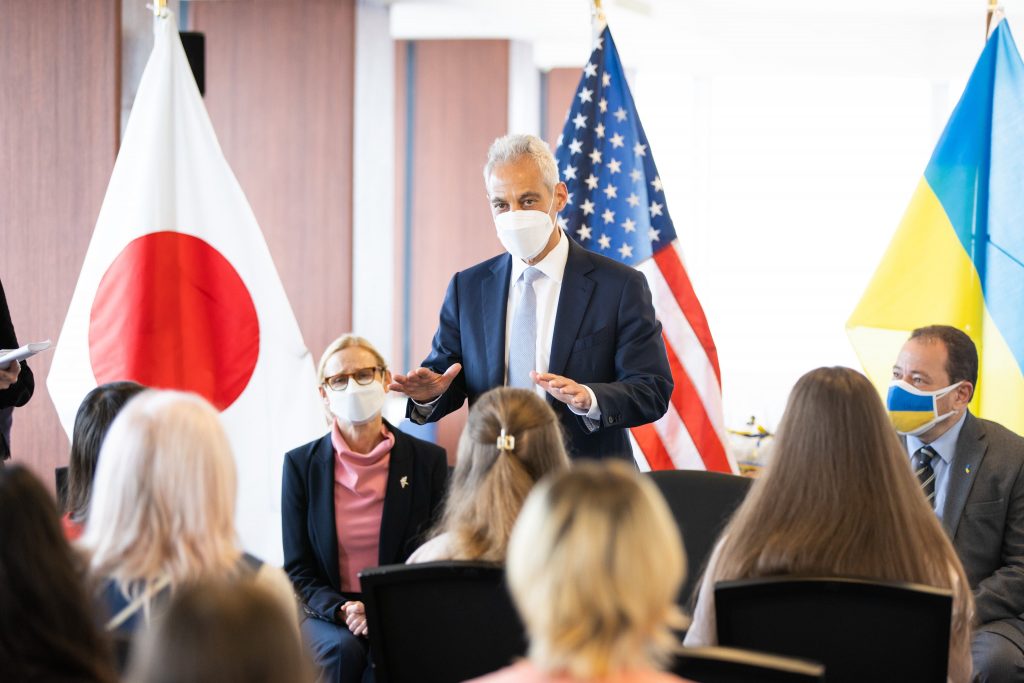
<point>27,351</point>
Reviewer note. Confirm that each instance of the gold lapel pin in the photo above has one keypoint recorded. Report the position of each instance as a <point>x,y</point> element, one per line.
<point>404,481</point>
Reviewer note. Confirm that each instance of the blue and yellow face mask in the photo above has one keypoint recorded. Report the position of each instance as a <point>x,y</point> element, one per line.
<point>913,411</point>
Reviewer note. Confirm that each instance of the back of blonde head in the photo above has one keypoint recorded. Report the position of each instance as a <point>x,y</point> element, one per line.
<point>489,485</point>
<point>595,564</point>
<point>164,495</point>
<point>839,499</point>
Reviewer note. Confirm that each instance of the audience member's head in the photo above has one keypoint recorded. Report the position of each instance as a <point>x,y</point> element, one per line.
<point>221,632</point>
<point>47,632</point>
<point>97,410</point>
<point>164,494</point>
<point>839,498</point>
<point>594,564</point>
<point>492,478</point>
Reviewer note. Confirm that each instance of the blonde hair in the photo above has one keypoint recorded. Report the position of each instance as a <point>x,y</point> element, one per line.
<point>489,485</point>
<point>594,565</point>
<point>343,342</point>
<point>839,499</point>
<point>163,499</point>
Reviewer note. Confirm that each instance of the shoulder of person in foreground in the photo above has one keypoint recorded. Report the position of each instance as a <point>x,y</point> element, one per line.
<point>526,672</point>
<point>436,549</point>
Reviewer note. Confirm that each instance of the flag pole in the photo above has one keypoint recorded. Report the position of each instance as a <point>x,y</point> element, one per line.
<point>597,18</point>
<point>159,8</point>
<point>993,11</point>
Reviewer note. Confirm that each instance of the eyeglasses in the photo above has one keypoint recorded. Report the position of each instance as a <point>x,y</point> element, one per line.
<point>362,376</point>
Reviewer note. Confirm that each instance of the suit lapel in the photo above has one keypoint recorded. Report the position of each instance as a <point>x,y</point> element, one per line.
<point>321,503</point>
<point>970,451</point>
<point>397,500</point>
<point>494,299</point>
<point>577,289</point>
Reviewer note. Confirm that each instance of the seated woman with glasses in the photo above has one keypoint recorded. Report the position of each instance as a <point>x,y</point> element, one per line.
<point>360,496</point>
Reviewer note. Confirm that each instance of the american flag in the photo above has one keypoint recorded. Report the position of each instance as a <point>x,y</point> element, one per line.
<point>617,208</point>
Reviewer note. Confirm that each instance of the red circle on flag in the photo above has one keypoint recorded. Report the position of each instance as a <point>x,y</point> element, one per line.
<point>172,313</point>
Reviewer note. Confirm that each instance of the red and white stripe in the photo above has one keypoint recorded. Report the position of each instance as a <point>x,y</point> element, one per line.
<point>691,435</point>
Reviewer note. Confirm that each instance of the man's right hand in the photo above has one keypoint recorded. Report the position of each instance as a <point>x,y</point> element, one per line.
<point>423,385</point>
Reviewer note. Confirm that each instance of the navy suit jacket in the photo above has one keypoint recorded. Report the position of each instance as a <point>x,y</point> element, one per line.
<point>308,521</point>
<point>606,336</point>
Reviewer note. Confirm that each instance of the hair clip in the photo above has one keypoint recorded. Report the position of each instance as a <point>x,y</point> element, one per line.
<point>506,442</point>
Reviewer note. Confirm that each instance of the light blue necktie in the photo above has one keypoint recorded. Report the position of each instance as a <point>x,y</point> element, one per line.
<point>522,350</point>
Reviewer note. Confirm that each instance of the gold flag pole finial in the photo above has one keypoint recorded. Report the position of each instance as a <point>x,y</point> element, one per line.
<point>993,15</point>
<point>159,8</point>
<point>597,18</point>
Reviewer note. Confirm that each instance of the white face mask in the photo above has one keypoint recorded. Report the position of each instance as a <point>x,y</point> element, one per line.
<point>357,404</point>
<point>524,233</point>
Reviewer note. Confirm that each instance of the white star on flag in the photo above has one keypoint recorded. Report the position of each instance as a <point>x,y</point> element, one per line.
<point>580,120</point>
<point>590,69</point>
<point>605,241</point>
<point>591,181</point>
<point>614,166</point>
<point>610,191</point>
<point>603,105</point>
<point>626,250</point>
<point>616,140</point>
<point>585,95</point>
<point>636,174</point>
<point>569,173</point>
<point>575,147</point>
<point>632,199</point>
<point>640,150</point>
<point>588,207</point>
<point>606,79</point>
<point>599,129</point>
<point>654,235</point>
<point>562,223</point>
<point>629,225</point>
<point>595,156</point>
<point>620,114</point>
<point>584,232</point>
<point>655,209</point>
<point>608,216</point>
<point>656,183</point>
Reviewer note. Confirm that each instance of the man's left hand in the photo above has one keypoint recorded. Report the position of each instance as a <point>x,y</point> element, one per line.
<point>563,389</point>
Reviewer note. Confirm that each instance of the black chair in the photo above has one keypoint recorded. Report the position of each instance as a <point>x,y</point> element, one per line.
<point>860,630</point>
<point>440,622</point>
<point>702,503</point>
<point>731,665</point>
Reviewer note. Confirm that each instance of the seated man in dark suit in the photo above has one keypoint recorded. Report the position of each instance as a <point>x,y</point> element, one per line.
<point>972,471</point>
<point>549,316</point>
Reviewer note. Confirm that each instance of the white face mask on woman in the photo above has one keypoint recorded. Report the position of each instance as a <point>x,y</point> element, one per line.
<point>357,404</point>
<point>524,233</point>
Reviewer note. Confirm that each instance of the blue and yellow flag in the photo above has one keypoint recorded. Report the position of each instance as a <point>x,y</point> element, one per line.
<point>958,255</point>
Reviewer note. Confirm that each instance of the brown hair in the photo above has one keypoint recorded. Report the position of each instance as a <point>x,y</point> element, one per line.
<point>489,485</point>
<point>595,563</point>
<point>223,632</point>
<point>97,410</point>
<point>47,629</point>
<point>839,499</point>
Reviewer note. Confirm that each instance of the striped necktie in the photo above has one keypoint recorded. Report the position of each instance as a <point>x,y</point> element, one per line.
<point>922,464</point>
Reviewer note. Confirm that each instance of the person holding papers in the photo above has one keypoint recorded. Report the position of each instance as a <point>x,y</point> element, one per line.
<point>16,381</point>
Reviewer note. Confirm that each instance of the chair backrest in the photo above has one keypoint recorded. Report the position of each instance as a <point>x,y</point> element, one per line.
<point>860,630</point>
<point>440,622</point>
<point>702,503</point>
<point>732,665</point>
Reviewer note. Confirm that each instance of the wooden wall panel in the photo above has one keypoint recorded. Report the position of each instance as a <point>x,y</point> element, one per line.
<point>460,104</point>
<point>559,89</point>
<point>59,120</point>
<point>279,89</point>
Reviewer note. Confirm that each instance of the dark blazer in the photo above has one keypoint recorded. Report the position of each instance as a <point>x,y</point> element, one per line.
<point>18,393</point>
<point>307,513</point>
<point>984,515</point>
<point>606,336</point>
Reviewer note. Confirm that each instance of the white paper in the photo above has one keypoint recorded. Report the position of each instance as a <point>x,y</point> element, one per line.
<point>26,351</point>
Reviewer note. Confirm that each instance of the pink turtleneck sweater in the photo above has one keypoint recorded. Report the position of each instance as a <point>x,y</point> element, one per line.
<point>360,480</point>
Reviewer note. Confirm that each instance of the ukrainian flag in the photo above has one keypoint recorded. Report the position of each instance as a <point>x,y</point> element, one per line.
<point>958,255</point>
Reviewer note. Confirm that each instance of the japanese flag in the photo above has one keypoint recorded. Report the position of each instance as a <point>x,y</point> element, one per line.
<point>178,290</point>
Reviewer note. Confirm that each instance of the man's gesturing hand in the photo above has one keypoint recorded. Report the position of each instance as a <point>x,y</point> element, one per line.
<point>564,389</point>
<point>423,384</point>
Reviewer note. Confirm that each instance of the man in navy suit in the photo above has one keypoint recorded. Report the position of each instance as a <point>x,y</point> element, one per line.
<point>547,315</point>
